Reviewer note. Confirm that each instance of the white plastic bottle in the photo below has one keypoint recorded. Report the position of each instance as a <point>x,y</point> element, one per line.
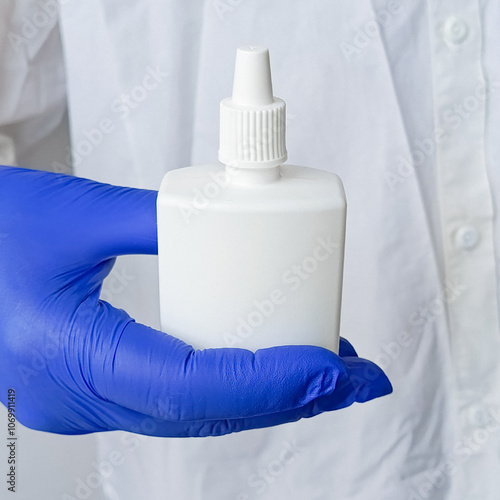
<point>251,250</point>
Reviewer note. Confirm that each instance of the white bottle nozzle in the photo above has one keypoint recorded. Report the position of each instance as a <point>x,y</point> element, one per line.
<point>252,126</point>
<point>252,77</point>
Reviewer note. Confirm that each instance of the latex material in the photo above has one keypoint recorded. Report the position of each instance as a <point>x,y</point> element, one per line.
<point>79,365</point>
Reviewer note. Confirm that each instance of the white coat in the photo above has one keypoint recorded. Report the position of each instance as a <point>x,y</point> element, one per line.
<point>402,100</point>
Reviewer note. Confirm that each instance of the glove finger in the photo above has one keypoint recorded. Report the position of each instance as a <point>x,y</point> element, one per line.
<point>77,220</point>
<point>156,374</point>
<point>365,381</point>
<point>367,378</point>
<point>348,391</point>
<point>346,348</point>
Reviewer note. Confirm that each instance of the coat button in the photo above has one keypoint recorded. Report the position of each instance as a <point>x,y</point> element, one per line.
<point>466,237</point>
<point>455,30</point>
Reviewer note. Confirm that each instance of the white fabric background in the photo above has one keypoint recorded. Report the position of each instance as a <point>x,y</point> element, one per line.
<point>360,115</point>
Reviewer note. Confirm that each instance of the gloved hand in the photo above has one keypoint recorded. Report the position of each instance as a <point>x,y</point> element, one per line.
<point>79,365</point>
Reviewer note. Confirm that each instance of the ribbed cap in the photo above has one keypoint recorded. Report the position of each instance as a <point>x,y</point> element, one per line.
<point>252,121</point>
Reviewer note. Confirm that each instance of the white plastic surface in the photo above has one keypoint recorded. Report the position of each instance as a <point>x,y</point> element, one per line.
<point>252,84</point>
<point>251,265</point>
<point>251,257</point>
<point>252,121</point>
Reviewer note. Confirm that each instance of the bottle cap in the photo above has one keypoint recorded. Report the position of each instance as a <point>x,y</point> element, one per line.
<point>252,121</point>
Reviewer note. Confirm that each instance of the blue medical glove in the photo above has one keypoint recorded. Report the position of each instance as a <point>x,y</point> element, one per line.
<point>79,365</point>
